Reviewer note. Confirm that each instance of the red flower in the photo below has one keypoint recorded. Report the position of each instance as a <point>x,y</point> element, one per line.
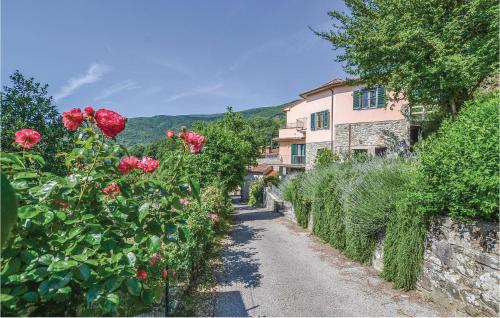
<point>164,272</point>
<point>27,138</point>
<point>112,190</point>
<point>170,134</point>
<point>89,111</point>
<point>180,134</point>
<point>142,275</point>
<point>72,119</point>
<point>154,259</point>
<point>148,164</point>
<point>184,201</point>
<point>195,140</point>
<point>109,122</point>
<point>127,164</point>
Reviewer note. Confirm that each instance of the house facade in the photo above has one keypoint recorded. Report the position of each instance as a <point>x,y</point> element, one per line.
<point>344,119</point>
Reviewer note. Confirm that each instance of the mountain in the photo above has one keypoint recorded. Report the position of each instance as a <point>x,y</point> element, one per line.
<point>148,129</point>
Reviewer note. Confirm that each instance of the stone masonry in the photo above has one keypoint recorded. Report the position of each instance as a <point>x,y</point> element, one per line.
<point>461,266</point>
<point>370,135</point>
<point>312,150</point>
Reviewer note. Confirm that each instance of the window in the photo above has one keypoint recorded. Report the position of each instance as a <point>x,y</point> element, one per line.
<point>298,153</point>
<point>369,98</point>
<point>320,120</point>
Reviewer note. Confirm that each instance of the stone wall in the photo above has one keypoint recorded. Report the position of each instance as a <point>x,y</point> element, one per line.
<point>370,135</point>
<point>461,266</point>
<point>312,150</point>
<point>245,190</point>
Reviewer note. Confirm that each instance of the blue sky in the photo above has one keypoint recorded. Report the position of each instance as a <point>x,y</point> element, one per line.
<point>145,58</point>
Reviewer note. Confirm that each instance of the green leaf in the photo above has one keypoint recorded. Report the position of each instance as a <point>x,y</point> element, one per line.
<point>154,243</point>
<point>170,228</point>
<point>8,210</point>
<point>147,296</point>
<point>29,211</point>
<point>46,189</point>
<point>31,297</point>
<point>62,265</point>
<point>25,175</point>
<point>134,287</point>
<point>113,283</point>
<point>5,297</point>
<point>75,231</point>
<point>93,293</point>
<point>111,303</point>
<point>84,271</point>
<point>93,238</point>
<point>12,267</point>
<point>195,189</point>
<point>61,215</point>
<point>143,211</point>
<point>184,234</point>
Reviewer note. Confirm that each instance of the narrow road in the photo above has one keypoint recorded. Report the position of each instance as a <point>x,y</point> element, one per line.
<point>272,267</point>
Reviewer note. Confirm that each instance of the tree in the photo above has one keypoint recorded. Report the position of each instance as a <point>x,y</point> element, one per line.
<point>266,128</point>
<point>26,105</point>
<point>430,52</point>
<point>232,144</point>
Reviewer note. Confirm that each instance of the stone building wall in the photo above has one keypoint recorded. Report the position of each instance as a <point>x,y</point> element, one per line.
<point>370,135</point>
<point>311,151</point>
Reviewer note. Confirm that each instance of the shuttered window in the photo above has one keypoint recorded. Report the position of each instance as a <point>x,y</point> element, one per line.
<point>369,98</point>
<point>320,120</point>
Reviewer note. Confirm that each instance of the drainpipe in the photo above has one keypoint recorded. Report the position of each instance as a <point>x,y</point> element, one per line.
<point>331,123</point>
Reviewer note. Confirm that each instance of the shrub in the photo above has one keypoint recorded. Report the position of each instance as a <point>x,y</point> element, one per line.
<point>369,201</point>
<point>405,234</point>
<point>460,163</point>
<point>293,192</point>
<point>97,241</point>
<point>325,157</point>
<point>256,193</point>
<point>325,187</point>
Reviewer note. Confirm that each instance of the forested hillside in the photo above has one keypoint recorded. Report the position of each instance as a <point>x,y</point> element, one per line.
<point>147,129</point>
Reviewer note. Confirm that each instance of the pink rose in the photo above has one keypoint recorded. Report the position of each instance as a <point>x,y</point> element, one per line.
<point>127,164</point>
<point>148,164</point>
<point>110,122</point>
<point>27,138</point>
<point>72,119</point>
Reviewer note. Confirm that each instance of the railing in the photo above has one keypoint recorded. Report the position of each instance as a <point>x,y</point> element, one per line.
<point>298,159</point>
<point>298,124</point>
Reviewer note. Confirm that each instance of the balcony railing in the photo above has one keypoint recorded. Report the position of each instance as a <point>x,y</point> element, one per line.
<point>298,159</point>
<point>299,124</point>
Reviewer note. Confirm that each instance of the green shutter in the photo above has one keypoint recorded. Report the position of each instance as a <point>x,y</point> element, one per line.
<point>313,117</point>
<point>294,153</point>
<point>326,118</point>
<point>380,97</point>
<point>355,99</point>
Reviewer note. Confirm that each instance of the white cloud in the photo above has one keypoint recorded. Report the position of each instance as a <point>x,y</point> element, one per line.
<point>94,73</point>
<point>116,88</point>
<point>197,91</point>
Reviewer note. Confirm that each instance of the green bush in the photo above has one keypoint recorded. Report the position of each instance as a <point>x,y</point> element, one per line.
<point>293,192</point>
<point>369,201</point>
<point>256,193</point>
<point>460,162</point>
<point>325,187</point>
<point>405,234</point>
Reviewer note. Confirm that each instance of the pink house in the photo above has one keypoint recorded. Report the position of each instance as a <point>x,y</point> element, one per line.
<point>341,118</point>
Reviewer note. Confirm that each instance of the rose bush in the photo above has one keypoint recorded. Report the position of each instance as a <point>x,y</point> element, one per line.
<point>106,237</point>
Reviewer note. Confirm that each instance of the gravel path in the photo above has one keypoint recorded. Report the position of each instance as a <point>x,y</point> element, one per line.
<point>272,267</point>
